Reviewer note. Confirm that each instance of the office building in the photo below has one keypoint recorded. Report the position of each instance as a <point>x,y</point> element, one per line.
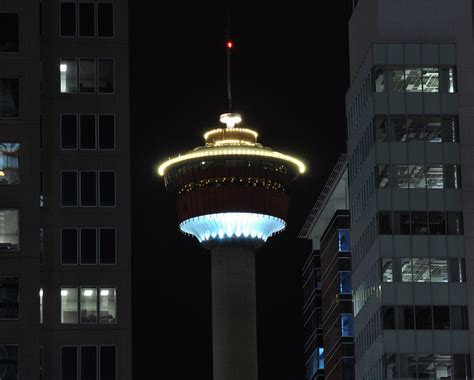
<point>65,308</point>
<point>410,110</point>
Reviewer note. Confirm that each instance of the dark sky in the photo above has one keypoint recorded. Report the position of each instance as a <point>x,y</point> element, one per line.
<point>289,77</point>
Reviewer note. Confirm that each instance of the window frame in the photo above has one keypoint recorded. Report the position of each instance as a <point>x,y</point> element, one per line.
<point>76,26</point>
<point>19,34</point>
<point>76,116</point>
<point>80,245</point>
<point>113,19</point>
<point>61,187</point>
<point>98,131</point>
<point>61,245</point>
<point>115,245</point>
<point>95,132</point>
<point>98,59</point>
<point>99,203</point>
<point>19,97</point>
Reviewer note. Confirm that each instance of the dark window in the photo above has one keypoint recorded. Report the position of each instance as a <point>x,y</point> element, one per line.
<point>87,68</point>
<point>388,317</point>
<point>107,245</point>
<point>441,317</point>
<point>423,318</point>
<point>106,132</point>
<point>459,320</point>
<point>69,188</point>
<point>461,366</point>
<point>68,363</point>
<point>401,223</point>
<point>9,33</point>
<point>107,188</point>
<point>88,246</point>
<point>437,222</point>
<point>450,129</point>
<point>9,97</point>
<point>106,76</point>
<point>87,132</point>
<point>419,223</point>
<point>88,363</point>
<point>108,363</point>
<point>455,223</point>
<point>86,20</point>
<point>68,19</point>
<point>9,297</point>
<point>105,18</point>
<point>452,177</point>
<point>391,371</point>
<point>69,246</point>
<point>385,222</point>
<point>68,132</point>
<point>457,270</point>
<point>405,317</point>
<point>88,188</point>
<point>9,362</point>
<point>348,368</point>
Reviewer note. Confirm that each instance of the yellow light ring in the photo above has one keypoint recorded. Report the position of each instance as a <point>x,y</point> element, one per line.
<point>233,142</point>
<point>220,130</point>
<point>229,151</point>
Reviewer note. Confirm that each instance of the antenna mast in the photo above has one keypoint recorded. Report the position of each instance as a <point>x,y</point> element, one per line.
<point>229,45</point>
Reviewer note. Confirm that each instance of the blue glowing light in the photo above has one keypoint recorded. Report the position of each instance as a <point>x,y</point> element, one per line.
<point>240,225</point>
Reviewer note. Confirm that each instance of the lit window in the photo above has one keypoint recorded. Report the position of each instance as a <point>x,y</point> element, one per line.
<point>433,129</point>
<point>383,176</point>
<point>406,269</point>
<point>416,175</point>
<point>347,325</point>
<point>88,305</point>
<point>387,270</point>
<point>9,297</point>
<point>68,75</point>
<point>452,177</point>
<point>457,270</point>
<point>9,33</point>
<point>9,230</point>
<point>345,282</point>
<point>379,80</point>
<point>108,305</point>
<point>398,80</point>
<point>9,163</point>
<point>421,270</point>
<point>434,176</point>
<point>41,304</point>
<point>9,98</point>
<point>391,371</point>
<point>430,79</point>
<point>415,129</point>
<point>448,80</point>
<point>450,129</point>
<point>413,82</point>
<point>439,270</point>
<point>344,241</point>
<point>402,176</point>
<point>69,305</point>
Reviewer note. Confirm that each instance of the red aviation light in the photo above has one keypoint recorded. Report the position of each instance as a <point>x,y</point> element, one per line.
<point>230,44</point>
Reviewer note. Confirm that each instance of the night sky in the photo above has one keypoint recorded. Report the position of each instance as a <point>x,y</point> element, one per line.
<point>289,78</point>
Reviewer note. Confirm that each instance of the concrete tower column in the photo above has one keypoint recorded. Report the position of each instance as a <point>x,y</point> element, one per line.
<point>234,319</point>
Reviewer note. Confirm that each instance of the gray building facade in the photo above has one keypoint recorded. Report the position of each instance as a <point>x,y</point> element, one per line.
<point>410,107</point>
<point>65,309</point>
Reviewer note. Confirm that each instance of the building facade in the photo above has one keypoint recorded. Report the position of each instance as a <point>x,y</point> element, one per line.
<point>327,283</point>
<point>410,107</point>
<point>65,310</point>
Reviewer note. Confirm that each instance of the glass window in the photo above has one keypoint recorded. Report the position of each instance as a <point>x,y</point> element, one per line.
<point>407,366</point>
<point>345,282</point>
<point>405,317</point>
<point>9,163</point>
<point>437,222</point>
<point>106,132</point>
<point>379,80</point>
<point>69,243</point>
<point>457,270</point>
<point>461,366</point>
<point>68,75</point>
<point>9,32</point>
<point>391,371</point>
<point>108,363</point>
<point>86,19</point>
<point>459,319</point>
<point>69,365</point>
<point>430,79</point>
<point>442,367</point>
<point>423,318</point>
<point>106,76</point>
<point>421,269</point>
<point>447,80</point>
<point>87,132</point>
<point>455,223</point>
<point>88,188</point>
<point>402,176</point>
<point>433,129</point>
<point>344,241</point>
<point>68,19</point>
<point>388,317</point>
<point>397,80</point>
<point>108,305</point>
<point>88,305</point>
<point>387,270</point>
<point>9,98</point>
<point>419,222</point>
<point>401,223</point>
<point>69,305</point>
<point>107,188</point>
<point>450,129</point>
<point>9,361</point>
<point>88,246</point>
<point>383,176</point>
<point>416,175</point>
<point>413,81</point>
<point>406,269</point>
<point>107,245</point>
<point>87,74</point>
<point>398,128</point>
<point>434,176</point>
<point>415,129</point>
<point>105,18</point>
<point>385,222</point>
<point>347,325</point>
<point>9,297</point>
<point>88,363</point>
<point>9,230</point>
<point>439,270</point>
<point>69,188</point>
<point>68,132</point>
<point>452,177</point>
<point>441,317</point>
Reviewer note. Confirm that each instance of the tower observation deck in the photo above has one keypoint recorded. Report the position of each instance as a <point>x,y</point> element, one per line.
<point>232,195</point>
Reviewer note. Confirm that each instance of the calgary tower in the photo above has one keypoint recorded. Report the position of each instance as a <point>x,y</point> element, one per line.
<point>232,195</point>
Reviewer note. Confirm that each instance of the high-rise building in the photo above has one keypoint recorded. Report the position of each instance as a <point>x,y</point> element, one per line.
<point>232,195</point>
<point>65,308</point>
<point>327,283</point>
<point>410,110</point>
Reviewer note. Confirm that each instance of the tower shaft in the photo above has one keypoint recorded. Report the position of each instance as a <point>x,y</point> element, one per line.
<point>234,320</point>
